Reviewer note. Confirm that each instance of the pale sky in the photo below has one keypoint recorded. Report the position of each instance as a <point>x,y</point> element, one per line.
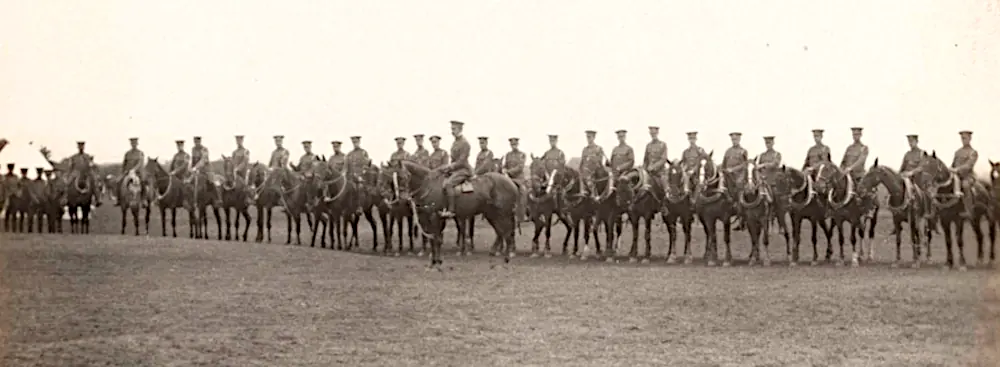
<point>103,71</point>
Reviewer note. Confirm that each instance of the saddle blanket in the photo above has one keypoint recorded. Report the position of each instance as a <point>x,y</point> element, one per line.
<point>466,187</point>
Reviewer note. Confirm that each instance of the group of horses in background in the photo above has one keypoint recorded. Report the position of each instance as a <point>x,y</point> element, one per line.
<point>403,195</point>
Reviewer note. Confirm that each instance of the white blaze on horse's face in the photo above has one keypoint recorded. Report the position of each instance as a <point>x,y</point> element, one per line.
<point>395,183</point>
<point>549,181</point>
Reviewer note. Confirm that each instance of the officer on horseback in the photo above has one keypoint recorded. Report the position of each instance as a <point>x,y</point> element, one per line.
<point>622,156</point>
<point>913,157</point>
<point>400,154</point>
<point>308,159</point>
<point>855,157</point>
<point>421,155</point>
<point>817,153</point>
<point>357,160</point>
<point>134,160</point>
<point>554,158</point>
<point>484,159</point>
<point>736,161</point>
<point>241,158</point>
<point>768,161</point>
<point>338,159</point>
<point>200,157</point>
<point>692,157</point>
<point>655,159</point>
<point>591,160</point>
<point>963,165</point>
<point>81,163</point>
<point>513,167</point>
<point>280,155</point>
<point>181,162</point>
<point>439,157</point>
<point>459,169</point>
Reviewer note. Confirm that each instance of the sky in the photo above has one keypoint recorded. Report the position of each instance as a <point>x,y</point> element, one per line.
<point>104,71</point>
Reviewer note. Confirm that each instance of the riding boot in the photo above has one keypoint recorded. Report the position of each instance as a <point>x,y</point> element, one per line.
<point>449,212</point>
<point>968,205</point>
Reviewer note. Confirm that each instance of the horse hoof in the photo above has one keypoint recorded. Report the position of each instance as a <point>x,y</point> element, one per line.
<point>468,253</point>
<point>583,257</point>
<point>534,255</point>
<point>814,263</point>
<point>710,263</point>
<point>792,264</point>
<point>688,261</point>
<point>548,255</point>
<point>670,260</point>
<point>962,268</point>
<point>420,254</point>
<point>915,265</point>
<point>855,264</point>
<point>767,263</point>
<point>726,264</point>
<point>570,256</point>
<point>751,263</point>
<point>839,263</point>
<point>645,261</point>
<point>511,255</point>
<point>609,260</point>
<point>894,265</point>
<point>945,267</point>
<point>632,260</point>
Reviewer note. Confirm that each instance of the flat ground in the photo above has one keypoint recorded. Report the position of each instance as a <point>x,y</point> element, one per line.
<point>106,299</point>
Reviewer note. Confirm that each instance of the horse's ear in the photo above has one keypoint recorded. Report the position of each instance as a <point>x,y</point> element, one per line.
<point>784,168</point>
<point>876,163</point>
<point>756,159</point>
<point>710,152</point>
<point>934,154</point>
<point>992,163</point>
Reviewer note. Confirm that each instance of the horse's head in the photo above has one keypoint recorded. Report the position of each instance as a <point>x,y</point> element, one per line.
<point>678,181</point>
<point>497,165</point>
<point>935,170</point>
<point>791,182</point>
<point>823,177</point>
<point>537,166</point>
<point>393,183</point>
<point>57,191</point>
<point>711,176</point>
<point>875,175</point>
<point>994,172</point>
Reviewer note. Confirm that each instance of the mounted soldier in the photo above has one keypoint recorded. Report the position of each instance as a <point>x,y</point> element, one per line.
<point>200,157</point>
<point>439,157</point>
<point>692,157</point>
<point>421,155</point>
<point>963,165</point>
<point>654,160</point>
<point>913,158</point>
<point>622,156</point>
<point>855,157</point>
<point>817,153</point>
<point>736,161</point>
<point>134,159</point>
<point>591,159</point>
<point>338,159</point>
<point>241,158</point>
<point>357,160</point>
<point>180,164</point>
<point>82,164</point>
<point>484,159</point>
<point>280,155</point>
<point>400,154</point>
<point>769,161</point>
<point>458,170</point>
<point>513,167</point>
<point>308,159</point>
<point>554,158</point>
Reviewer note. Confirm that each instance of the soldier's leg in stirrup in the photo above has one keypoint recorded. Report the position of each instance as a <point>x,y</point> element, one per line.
<point>94,191</point>
<point>967,199</point>
<point>449,195</point>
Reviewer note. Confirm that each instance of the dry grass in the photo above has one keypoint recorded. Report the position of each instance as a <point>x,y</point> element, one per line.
<point>138,301</point>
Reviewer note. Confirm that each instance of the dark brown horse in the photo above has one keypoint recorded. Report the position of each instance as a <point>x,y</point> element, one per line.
<point>846,204</point>
<point>130,199</point>
<point>756,208</point>
<point>543,202</point>
<point>577,207</point>
<point>80,199</point>
<point>908,203</point>
<point>945,192</point>
<point>641,194</point>
<point>366,202</point>
<point>201,190</point>
<point>166,189</point>
<point>805,202</point>
<point>293,198</point>
<point>330,193</point>
<point>493,195</point>
<point>55,203</point>
<point>36,206</point>
<point>236,198</point>
<point>266,186</point>
<point>396,199</point>
<point>713,204</point>
<point>607,212</point>
<point>678,207</point>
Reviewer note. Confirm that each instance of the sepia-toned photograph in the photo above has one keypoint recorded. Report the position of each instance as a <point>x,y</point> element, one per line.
<point>499,183</point>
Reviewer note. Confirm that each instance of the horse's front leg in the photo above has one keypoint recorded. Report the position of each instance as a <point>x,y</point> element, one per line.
<point>727,233</point>
<point>648,219</point>
<point>633,253</point>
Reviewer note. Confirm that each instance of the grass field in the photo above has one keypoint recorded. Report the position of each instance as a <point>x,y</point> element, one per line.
<point>106,299</point>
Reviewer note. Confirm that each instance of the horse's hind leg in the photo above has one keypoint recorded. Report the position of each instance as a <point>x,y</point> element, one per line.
<point>977,229</point>
<point>229,222</point>
<point>633,253</point>
<point>135,220</point>
<point>648,219</point>
<point>727,233</point>
<point>124,218</point>
<point>246,222</point>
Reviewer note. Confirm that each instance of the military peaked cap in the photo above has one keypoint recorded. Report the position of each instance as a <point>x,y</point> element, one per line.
<point>39,169</point>
<point>400,139</point>
<point>24,169</point>
<point>483,138</point>
<point>912,136</point>
<point>768,138</point>
<point>692,134</point>
<point>457,123</point>
<point>435,138</point>
<point>10,166</point>
<point>513,140</point>
<point>307,142</point>
<point>197,138</point>
<point>335,142</point>
<point>81,142</point>
<point>240,137</point>
<point>179,141</point>
<point>279,137</point>
<point>553,136</point>
<point>418,136</point>
<point>965,132</point>
<point>654,128</point>
<point>590,132</point>
<point>133,139</point>
<point>857,129</point>
<point>735,134</point>
<point>621,132</point>
<point>356,138</point>
<point>817,131</point>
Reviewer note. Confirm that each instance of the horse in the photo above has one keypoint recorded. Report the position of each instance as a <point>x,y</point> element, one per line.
<point>907,203</point>
<point>641,194</point>
<point>803,204</point>
<point>606,211</point>
<point>35,209</point>
<point>366,198</point>
<point>577,207</point>
<point>944,186</point>
<point>55,201</point>
<point>201,191</point>
<point>130,190</point>
<point>329,192</point>
<point>756,209</point>
<point>677,206</point>
<point>79,200</point>
<point>543,203</point>
<point>265,184</point>
<point>493,195</point>
<point>396,199</point>
<point>847,205</point>
<point>236,198</point>
<point>712,204</point>
<point>166,189</point>
<point>293,198</point>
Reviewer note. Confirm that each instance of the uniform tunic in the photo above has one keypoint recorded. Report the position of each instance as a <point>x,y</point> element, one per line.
<point>655,158</point>
<point>513,164</point>
<point>484,161</point>
<point>736,158</point>
<point>134,158</point>
<point>399,155</point>
<point>691,159</point>
<point>856,153</point>
<point>459,166</point>
<point>80,161</point>
<point>437,159</point>
<point>337,161</point>
<point>307,162</point>
<point>553,159</point>
<point>181,163</point>
<point>421,156</point>
<point>817,154</point>
<point>768,161</point>
<point>912,160</point>
<point>357,160</point>
<point>241,160</point>
<point>199,156</point>
<point>279,158</point>
<point>964,161</point>
<point>591,159</point>
<point>622,159</point>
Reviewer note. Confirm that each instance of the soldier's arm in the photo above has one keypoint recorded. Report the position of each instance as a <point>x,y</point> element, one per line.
<point>124,163</point>
<point>561,158</point>
<point>628,160</point>
<point>777,159</point>
<point>969,164</point>
<point>902,166</point>
<point>516,168</point>
<point>862,157</point>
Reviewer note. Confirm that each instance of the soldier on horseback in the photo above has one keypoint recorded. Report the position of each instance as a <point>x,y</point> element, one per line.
<point>655,159</point>
<point>180,164</point>
<point>817,153</point>
<point>308,159</point>
<point>459,169</point>
<point>554,158</point>
<point>338,159</point>
<point>241,158</point>
<point>855,157</point>
<point>622,156</point>
<point>735,163</point>
<point>484,160</point>
<point>400,154</point>
<point>421,155</point>
<point>913,157</point>
<point>591,160</point>
<point>280,155</point>
<point>692,157</point>
<point>513,167</point>
<point>200,156</point>
<point>134,159</point>
<point>439,157</point>
<point>83,164</point>
<point>963,165</point>
<point>357,160</point>
<point>768,161</point>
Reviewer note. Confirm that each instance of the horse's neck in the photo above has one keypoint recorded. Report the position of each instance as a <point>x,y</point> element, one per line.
<point>896,185</point>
